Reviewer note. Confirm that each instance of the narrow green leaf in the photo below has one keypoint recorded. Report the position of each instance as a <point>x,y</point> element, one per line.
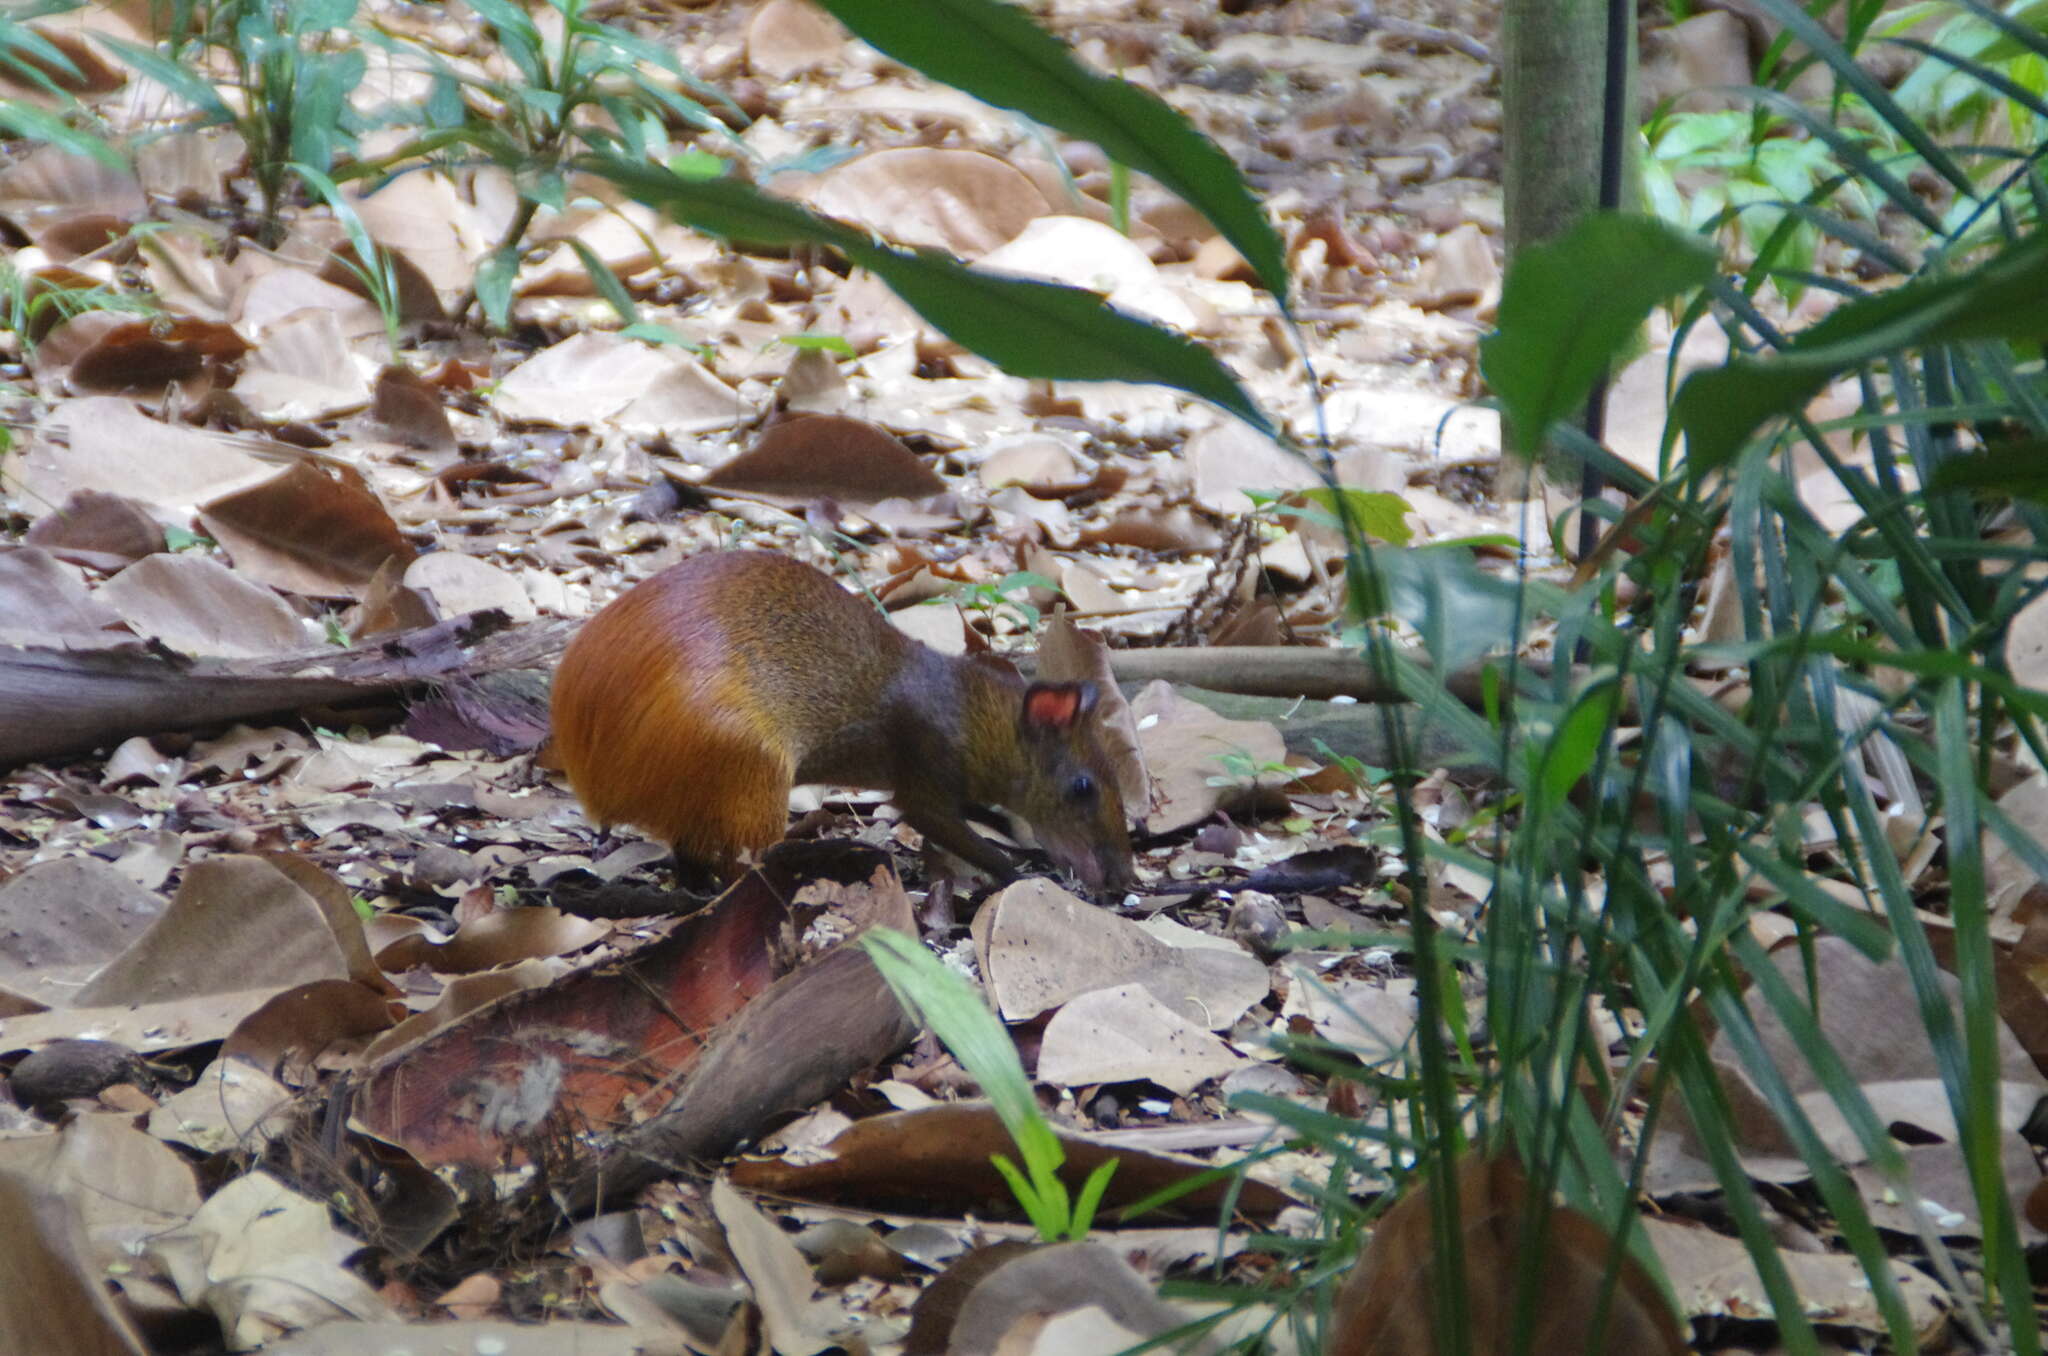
<point>1083,1214</point>
<point>1029,328</point>
<point>1722,408</point>
<point>606,282</point>
<point>187,85</point>
<point>1569,753</point>
<point>1569,306</point>
<point>995,52</point>
<point>494,285</point>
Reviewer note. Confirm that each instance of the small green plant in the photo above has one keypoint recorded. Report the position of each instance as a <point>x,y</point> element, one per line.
<point>1735,173</point>
<point>32,306</point>
<point>830,343</point>
<point>372,267</point>
<point>295,76</point>
<point>595,89</point>
<point>1241,769</point>
<point>992,598</point>
<point>1380,514</point>
<point>32,61</point>
<point>961,1020</point>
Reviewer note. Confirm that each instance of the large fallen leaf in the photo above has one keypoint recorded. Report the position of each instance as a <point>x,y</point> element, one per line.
<point>1714,1277</point>
<point>235,921</point>
<point>796,1322</point>
<point>828,456</point>
<point>1124,1034</point>
<point>124,1186</point>
<point>43,601</point>
<point>51,1299</point>
<point>198,606</point>
<point>307,530</point>
<point>961,201</point>
<point>265,1260</point>
<point>936,1161</point>
<point>111,446</point>
<point>1014,1293</point>
<point>62,919</point>
<point>1189,750</point>
<point>1038,946</point>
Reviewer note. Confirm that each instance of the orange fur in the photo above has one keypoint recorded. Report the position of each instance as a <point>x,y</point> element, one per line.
<point>653,734</point>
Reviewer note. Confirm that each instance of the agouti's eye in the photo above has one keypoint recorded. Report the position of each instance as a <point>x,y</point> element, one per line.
<point>1082,787</point>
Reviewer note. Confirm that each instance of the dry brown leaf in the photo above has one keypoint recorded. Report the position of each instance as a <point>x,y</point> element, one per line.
<point>110,352</point>
<point>1227,458</point>
<point>453,583</point>
<point>828,456</point>
<point>789,37</point>
<point>44,602</point>
<point>113,447</point>
<point>935,1160</point>
<point>309,531</point>
<point>1714,1277</point>
<point>303,369</point>
<point>964,202</point>
<point>103,530</point>
<point>1185,744</point>
<point>61,920</point>
<point>1388,1306</point>
<point>797,1323</point>
<point>234,923</point>
<point>1038,946</point>
<point>51,1299</point>
<point>69,204</point>
<point>198,606</point>
<point>496,939</point>
<point>1081,1299</point>
<point>265,1260</point>
<point>1124,1034</point>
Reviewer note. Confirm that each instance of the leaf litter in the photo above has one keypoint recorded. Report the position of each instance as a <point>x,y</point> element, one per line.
<point>204,935</point>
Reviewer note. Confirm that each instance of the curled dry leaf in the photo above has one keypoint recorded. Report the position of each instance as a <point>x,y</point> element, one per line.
<point>198,606</point>
<point>51,1298</point>
<point>1387,1306</point>
<point>44,602</point>
<point>74,200</point>
<point>581,1051</point>
<point>110,352</point>
<point>936,1160</point>
<point>265,1260</point>
<point>98,529</point>
<point>1038,947</point>
<point>828,456</point>
<point>112,446</point>
<point>1011,1290</point>
<point>964,202</point>
<point>319,533</point>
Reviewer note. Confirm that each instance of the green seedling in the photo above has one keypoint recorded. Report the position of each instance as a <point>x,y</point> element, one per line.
<point>960,1018</point>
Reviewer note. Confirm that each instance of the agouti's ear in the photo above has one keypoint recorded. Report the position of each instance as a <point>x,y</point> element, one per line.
<point>1057,706</point>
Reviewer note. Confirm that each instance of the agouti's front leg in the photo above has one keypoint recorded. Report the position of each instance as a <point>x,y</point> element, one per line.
<point>944,826</point>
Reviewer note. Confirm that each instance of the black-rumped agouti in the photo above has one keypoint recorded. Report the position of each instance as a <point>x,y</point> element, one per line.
<point>693,702</point>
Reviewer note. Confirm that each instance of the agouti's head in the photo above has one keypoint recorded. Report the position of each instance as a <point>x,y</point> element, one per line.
<point>1070,795</point>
